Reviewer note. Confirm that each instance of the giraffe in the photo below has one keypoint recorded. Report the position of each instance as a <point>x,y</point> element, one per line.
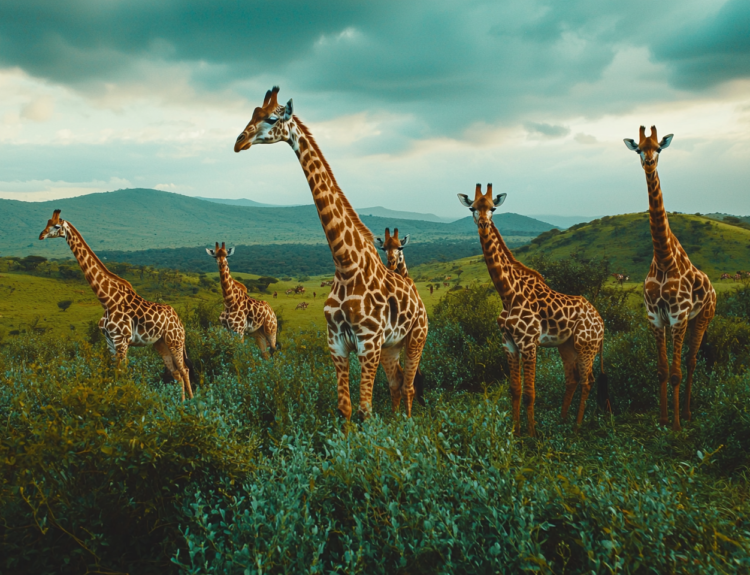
<point>241,312</point>
<point>128,320</point>
<point>370,310</point>
<point>534,315</point>
<point>678,296</point>
<point>393,248</point>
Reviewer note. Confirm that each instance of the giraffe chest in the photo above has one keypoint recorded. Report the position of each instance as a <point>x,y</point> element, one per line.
<point>672,299</point>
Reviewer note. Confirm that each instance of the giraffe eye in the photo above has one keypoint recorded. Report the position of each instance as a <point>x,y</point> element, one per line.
<point>492,209</point>
<point>472,210</point>
<point>272,120</point>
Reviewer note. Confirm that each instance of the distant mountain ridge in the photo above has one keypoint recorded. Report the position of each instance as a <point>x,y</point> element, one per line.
<point>382,212</point>
<point>145,219</point>
<point>241,202</point>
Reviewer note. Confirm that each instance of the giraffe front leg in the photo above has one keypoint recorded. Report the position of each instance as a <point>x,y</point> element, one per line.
<point>529,392</point>
<point>515,386</point>
<point>700,325</point>
<point>675,373</point>
<point>369,360</point>
<point>662,371</point>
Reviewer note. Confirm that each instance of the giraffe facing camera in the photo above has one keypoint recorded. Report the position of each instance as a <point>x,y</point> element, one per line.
<point>393,248</point>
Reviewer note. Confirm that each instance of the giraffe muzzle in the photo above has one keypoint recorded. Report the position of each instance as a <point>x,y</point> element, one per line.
<point>242,143</point>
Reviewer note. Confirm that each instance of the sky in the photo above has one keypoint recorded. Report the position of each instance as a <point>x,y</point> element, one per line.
<point>411,102</point>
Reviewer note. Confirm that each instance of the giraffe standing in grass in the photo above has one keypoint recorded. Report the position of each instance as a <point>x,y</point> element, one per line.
<point>679,297</point>
<point>241,312</point>
<point>371,310</point>
<point>129,320</point>
<point>534,315</point>
<point>394,255</point>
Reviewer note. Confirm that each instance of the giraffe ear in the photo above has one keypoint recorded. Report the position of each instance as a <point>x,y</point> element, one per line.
<point>379,243</point>
<point>665,141</point>
<point>210,252</point>
<point>405,241</point>
<point>499,199</point>
<point>288,110</point>
<point>464,199</point>
<point>631,144</point>
<point>230,252</point>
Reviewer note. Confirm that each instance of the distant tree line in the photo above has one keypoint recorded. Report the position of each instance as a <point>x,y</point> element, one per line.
<point>283,259</point>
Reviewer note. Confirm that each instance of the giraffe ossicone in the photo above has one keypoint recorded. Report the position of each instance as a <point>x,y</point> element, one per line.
<point>534,315</point>
<point>370,310</point>
<point>242,313</point>
<point>678,296</point>
<point>129,320</point>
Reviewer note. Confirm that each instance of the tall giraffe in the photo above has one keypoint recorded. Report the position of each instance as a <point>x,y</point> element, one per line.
<point>393,248</point>
<point>534,315</point>
<point>678,295</point>
<point>371,310</point>
<point>129,320</point>
<point>241,312</point>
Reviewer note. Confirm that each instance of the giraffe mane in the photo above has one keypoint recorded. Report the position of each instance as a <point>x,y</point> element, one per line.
<point>240,285</point>
<point>350,211</point>
<point>513,261</point>
<point>104,268</point>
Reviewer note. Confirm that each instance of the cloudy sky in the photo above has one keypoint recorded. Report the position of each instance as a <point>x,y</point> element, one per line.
<point>411,101</point>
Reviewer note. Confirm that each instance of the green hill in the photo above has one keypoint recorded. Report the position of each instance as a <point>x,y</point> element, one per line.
<point>142,219</point>
<point>714,247</point>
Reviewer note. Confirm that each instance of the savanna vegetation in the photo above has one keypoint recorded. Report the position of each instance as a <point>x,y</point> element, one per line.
<point>106,472</point>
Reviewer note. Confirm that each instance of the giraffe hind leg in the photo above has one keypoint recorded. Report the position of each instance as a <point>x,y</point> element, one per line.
<point>415,342</point>
<point>569,357</point>
<point>389,359</point>
<point>698,327</point>
<point>586,375</point>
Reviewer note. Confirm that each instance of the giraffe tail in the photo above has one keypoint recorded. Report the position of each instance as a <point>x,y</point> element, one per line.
<point>602,384</point>
<point>194,380</point>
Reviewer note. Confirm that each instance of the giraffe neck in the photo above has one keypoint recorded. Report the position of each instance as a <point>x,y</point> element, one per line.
<point>350,241</point>
<point>499,261</point>
<point>401,268</point>
<point>227,283</point>
<point>104,283</point>
<point>660,232</point>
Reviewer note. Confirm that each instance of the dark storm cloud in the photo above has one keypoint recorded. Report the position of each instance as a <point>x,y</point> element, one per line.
<point>712,51</point>
<point>447,64</point>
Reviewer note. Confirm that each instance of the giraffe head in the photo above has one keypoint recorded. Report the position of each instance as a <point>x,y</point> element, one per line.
<point>648,148</point>
<point>220,253</point>
<point>268,125</point>
<point>483,205</point>
<point>392,247</point>
<point>55,228</point>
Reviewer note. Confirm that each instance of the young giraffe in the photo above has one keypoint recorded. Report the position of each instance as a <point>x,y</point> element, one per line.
<point>241,312</point>
<point>129,320</point>
<point>534,315</point>
<point>393,248</point>
<point>678,295</point>
<point>370,310</point>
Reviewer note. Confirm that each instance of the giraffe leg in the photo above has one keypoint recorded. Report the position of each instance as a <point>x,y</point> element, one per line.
<point>586,374</point>
<point>166,356</point>
<point>698,328</point>
<point>662,370</point>
<point>175,344</point>
<point>529,392</point>
<point>415,342</point>
<point>369,360</point>
<point>515,388</point>
<point>675,373</point>
<point>389,359</point>
<point>569,357</point>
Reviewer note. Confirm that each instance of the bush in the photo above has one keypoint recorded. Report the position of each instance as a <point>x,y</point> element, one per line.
<point>575,275</point>
<point>464,345</point>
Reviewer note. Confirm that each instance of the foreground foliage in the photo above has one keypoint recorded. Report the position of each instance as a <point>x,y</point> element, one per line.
<point>102,472</point>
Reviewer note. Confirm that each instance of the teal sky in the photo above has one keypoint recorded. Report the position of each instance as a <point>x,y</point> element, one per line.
<point>411,102</point>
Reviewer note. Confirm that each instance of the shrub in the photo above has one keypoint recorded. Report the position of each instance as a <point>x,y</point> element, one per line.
<point>575,275</point>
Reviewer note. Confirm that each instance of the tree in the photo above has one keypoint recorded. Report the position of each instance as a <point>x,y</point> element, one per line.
<point>574,275</point>
<point>64,304</point>
<point>30,263</point>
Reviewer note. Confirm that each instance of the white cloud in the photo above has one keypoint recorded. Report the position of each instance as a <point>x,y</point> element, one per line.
<point>44,190</point>
<point>39,110</point>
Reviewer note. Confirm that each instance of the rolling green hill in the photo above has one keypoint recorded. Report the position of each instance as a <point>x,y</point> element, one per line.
<point>141,219</point>
<point>714,247</point>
